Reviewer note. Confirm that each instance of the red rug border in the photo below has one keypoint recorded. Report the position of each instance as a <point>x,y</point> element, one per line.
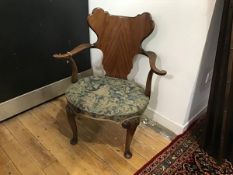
<point>165,149</point>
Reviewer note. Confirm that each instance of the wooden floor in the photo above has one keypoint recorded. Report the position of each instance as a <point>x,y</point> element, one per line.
<point>37,143</point>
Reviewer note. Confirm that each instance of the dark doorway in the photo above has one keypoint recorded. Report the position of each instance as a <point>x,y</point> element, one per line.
<point>31,31</point>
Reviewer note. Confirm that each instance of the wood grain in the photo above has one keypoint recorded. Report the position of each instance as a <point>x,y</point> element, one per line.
<point>9,169</point>
<point>56,169</point>
<point>4,159</point>
<point>36,142</point>
<point>26,139</point>
<point>22,158</point>
<point>120,39</point>
<point>153,69</point>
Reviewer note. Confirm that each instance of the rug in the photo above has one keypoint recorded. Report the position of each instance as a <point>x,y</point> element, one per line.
<point>183,156</point>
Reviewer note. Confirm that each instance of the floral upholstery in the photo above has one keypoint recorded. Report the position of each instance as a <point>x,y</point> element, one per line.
<point>107,98</point>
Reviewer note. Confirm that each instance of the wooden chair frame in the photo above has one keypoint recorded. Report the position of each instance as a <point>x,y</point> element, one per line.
<point>148,25</point>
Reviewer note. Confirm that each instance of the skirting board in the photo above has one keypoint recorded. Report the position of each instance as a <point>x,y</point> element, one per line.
<point>169,124</point>
<point>26,101</point>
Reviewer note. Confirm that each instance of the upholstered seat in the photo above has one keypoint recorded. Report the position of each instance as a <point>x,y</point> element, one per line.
<point>107,98</point>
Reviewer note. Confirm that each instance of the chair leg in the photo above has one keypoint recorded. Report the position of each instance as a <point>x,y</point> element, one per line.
<point>131,126</point>
<point>72,122</point>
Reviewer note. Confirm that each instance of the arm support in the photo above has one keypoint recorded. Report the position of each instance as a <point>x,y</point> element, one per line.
<point>69,57</point>
<point>152,59</point>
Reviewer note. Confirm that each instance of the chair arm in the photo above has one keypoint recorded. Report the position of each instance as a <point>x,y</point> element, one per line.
<point>152,59</point>
<point>74,51</point>
<point>69,57</point>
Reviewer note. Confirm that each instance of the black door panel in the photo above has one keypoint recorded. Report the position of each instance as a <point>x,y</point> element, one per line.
<point>30,32</point>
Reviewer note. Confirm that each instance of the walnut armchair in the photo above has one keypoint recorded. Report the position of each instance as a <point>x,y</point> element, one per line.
<point>112,97</point>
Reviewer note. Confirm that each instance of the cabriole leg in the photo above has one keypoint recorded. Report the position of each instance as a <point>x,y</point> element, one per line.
<point>131,126</point>
<point>71,119</point>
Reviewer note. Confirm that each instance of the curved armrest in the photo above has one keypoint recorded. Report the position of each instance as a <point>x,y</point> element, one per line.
<point>152,58</point>
<point>69,57</point>
<point>74,51</point>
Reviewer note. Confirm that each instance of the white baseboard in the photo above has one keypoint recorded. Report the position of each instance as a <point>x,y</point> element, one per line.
<point>169,124</point>
<point>164,121</point>
<point>26,101</point>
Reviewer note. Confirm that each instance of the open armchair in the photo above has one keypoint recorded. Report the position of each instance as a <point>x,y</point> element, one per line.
<point>112,97</point>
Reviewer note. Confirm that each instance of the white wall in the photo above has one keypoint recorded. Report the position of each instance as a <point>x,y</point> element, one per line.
<point>178,40</point>
<point>202,87</point>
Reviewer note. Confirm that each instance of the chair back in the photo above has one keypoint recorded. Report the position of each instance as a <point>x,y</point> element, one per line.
<point>119,38</point>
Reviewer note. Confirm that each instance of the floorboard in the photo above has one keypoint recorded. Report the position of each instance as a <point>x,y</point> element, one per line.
<point>36,142</point>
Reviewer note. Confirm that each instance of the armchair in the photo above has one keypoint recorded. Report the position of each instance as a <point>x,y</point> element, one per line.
<point>112,97</point>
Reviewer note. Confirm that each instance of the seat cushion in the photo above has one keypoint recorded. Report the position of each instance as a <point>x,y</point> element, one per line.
<point>107,97</point>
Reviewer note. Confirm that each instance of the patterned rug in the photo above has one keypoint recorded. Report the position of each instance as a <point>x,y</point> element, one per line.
<point>183,156</point>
